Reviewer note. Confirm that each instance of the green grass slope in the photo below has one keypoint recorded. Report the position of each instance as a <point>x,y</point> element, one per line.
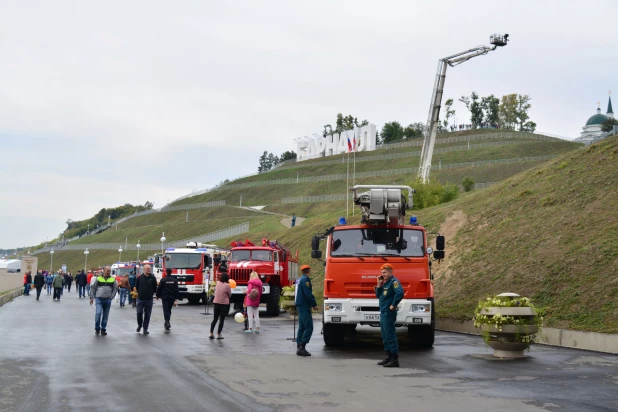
<point>550,233</point>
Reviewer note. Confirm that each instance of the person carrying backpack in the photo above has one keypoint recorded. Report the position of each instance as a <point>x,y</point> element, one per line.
<point>254,294</point>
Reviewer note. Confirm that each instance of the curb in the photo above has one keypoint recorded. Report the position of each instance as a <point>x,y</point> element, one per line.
<point>7,297</point>
<point>565,338</point>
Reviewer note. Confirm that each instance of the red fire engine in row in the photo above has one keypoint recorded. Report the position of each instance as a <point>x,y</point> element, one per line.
<point>275,265</point>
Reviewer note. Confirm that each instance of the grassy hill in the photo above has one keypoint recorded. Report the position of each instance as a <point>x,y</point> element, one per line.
<point>547,230</point>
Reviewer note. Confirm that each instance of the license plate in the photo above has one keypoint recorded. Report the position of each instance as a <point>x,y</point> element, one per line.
<point>372,317</point>
<point>417,320</point>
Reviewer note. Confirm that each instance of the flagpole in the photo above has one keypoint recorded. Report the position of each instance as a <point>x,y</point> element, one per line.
<point>347,189</point>
<point>354,168</point>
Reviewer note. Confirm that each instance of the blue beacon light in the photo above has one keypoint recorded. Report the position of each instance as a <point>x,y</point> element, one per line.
<point>342,221</point>
<point>413,220</point>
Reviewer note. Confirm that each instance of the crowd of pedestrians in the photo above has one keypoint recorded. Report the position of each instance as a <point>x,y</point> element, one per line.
<point>101,288</point>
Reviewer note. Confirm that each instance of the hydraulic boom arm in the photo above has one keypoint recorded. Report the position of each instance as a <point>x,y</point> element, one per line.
<point>436,99</point>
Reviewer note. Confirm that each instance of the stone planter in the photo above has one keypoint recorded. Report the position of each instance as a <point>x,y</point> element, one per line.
<point>506,340</point>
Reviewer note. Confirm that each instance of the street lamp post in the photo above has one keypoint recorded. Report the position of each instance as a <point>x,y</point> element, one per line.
<point>86,261</point>
<point>119,253</point>
<point>162,241</point>
<point>138,246</point>
<point>51,253</point>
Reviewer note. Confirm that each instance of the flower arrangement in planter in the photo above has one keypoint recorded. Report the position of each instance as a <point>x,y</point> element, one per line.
<point>287,300</point>
<point>509,323</point>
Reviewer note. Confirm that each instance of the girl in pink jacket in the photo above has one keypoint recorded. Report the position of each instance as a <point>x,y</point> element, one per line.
<point>254,294</point>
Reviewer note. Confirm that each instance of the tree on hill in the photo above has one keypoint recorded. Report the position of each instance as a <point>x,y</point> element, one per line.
<point>529,127</point>
<point>287,155</point>
<point>448,112</point>
<point>508,111</point>
<point>391,132</point>
<point>523,105</point>
<point>491,110</point>
<point>267,161</point>
<point>473,104</point>
<point>609,124</point>
<point>414,130</point>
<point>348,122</point>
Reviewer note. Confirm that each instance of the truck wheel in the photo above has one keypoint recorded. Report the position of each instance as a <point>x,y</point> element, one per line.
<point>333,334</point>
<point>272,302</point>
<point>194,300</point>
<point>421,336</point>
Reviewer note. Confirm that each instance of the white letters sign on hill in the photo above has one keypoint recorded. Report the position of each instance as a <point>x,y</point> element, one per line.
<point>311,147</point>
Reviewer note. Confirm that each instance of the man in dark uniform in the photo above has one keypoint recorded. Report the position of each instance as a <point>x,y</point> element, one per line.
<point>304,302</point>
<point>390,293</point>
<point>168,293</point>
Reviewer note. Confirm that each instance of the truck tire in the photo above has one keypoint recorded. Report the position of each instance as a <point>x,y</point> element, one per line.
<point>272,302</point>
<point>194,299</point>
<point>333,334</point>
<point>421,336</point>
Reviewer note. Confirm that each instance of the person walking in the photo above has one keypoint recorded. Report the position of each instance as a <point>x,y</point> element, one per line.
<point>124,289</point>
<point>390,293</point>
<point>49,280</point>
<point>223,293</point>
<point>293,219</point>
<point>81,280</point>
<point>132,280</point>
<point>103,289</point>
<point>58,283</point>
<point>39,281</point>
<point>146,286</point>
<point>27,283</point>
<point>304,302</point>
<point>168,293</point>
<point>254,294</point>
<point>69,280</point>
<point>88,280</point>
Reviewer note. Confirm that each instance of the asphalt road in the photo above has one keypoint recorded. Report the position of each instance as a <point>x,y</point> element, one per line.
<point>50,360</point>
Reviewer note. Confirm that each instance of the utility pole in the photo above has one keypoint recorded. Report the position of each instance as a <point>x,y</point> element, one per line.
<point>497,40</point>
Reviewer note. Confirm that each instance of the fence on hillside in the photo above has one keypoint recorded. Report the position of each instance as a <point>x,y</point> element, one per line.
<point>340,197</point>
<point>378,173</point>
<point>210,237</point>
<point>403,155</point>
<point>539,136</point>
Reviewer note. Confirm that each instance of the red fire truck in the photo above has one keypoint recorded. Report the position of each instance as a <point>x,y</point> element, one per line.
<point>274,263</point>
<point>192,266</point>
<point>354,255</point>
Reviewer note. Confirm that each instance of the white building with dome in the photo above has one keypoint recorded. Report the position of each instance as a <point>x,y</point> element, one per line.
<point>592,132</point>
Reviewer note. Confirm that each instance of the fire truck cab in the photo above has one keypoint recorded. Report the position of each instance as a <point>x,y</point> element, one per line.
<point>354,255</point>
<point>275,265</point>
<point>192,266</point>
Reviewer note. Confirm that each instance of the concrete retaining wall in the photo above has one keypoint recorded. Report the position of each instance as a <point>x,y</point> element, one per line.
<point>599,342</point>
<point>9,296</point>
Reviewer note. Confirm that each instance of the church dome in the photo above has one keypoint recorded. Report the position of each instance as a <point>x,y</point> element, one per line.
<point>597,119</point>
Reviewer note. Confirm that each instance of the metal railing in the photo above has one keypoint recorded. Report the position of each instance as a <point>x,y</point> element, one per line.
<point>340,197</point>
<point>378,173</point>
<point>210,237</point>
<point>539,136</point>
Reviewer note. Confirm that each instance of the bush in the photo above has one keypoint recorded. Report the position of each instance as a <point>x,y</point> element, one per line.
<point>433,194</point>
<point>467,183</point>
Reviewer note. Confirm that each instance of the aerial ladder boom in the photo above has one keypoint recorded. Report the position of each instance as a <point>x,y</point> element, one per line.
<point>436,99</point>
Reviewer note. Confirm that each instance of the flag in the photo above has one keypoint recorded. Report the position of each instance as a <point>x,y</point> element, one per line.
<point>354,142</point>
<point>349,145</point>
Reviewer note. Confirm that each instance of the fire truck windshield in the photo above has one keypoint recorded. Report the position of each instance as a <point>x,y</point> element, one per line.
<point>183,260</point>
<point>377,242</point>
<point>260,255</point>
<point>124,271</point>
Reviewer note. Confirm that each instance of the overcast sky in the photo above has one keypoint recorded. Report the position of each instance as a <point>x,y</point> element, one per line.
<point>104,103</point>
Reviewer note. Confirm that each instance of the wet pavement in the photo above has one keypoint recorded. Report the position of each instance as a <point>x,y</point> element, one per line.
<point>50,360</point>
